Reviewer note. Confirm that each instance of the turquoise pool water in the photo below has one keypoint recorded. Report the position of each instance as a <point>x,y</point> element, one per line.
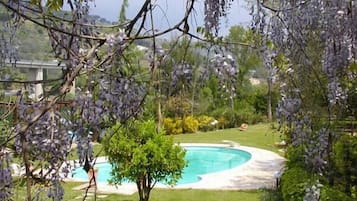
<point>201,160</point>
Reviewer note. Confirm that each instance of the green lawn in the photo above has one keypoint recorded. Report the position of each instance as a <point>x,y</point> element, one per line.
<point>156,195</point>
<point>190,195</point>
<point>260,136</point>
<point>20,193</point>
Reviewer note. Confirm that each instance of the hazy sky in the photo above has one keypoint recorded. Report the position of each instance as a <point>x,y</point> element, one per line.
<point>169,12</point>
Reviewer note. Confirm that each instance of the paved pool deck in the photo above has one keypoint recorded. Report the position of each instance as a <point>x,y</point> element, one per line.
<point>259,172</point>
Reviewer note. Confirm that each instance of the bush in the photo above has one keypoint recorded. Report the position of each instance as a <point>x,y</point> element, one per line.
<point>226,117</point>
<point>205,123</point>
<point>295,156</point>
<point>177,126</point>
<point>190,124</point>
<point>222,122</point>
<point>250,118</point>
<point>173,126</point>
<point>233,118</point>
<point>329,194</point>
<point>293,184</point>
<point>345,162</point>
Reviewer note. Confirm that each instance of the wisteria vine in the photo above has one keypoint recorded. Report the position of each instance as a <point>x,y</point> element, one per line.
<point>44,133</point>
<point>317,39</point>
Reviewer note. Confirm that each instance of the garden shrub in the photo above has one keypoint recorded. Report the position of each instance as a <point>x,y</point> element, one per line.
<point>295,156</point>
<point>249,117</point>
<point>231,117</point>
<point>226,117</point>
<point>222,122</point>
<point>243,113</point>
<point>190,124</point>
<point>173,126</point>
<point>293,184</point>
<point>205,123</point>
<point>177,126</point>
<point>330,194</point>
<point>345,162</point>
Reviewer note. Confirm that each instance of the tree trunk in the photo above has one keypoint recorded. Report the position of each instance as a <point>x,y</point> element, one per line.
<point>143,191</point>
<point>270,114</point>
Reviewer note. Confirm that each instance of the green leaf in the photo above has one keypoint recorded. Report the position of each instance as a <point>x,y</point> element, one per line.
<point>54,5</point>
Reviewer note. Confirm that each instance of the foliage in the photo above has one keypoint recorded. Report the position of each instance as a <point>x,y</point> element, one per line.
<point>177,106</point>
<point>331,194</point>
<point>213,11</point>
<point>247,59</point>
<point>5,177</point>
<point>5,129</point>
<point>293,184</point>
<point>205,123</point>
<point>190,124</point>
<point>295,156</point>
<point>244,113</point>
<point>140,154</point>
<point>9,73</point>
<point>345,161</point>
<point>222,122</point>
<point>173,126</point>
<point>204,101</point>
<point>115,85</point>
<point>311,56</point>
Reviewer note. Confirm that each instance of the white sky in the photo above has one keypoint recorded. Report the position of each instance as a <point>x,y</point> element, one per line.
<point>169,12</point>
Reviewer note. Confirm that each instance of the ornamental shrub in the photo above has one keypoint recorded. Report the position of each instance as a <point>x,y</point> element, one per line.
<point>173,126</point>
<point>345,162</point>
<point>222,123</point>
<point>227,117</point>
<point>293,184</point>
<point>190,124</point>
<point>205,123</point>
<point>295,156</point>
<point>331,194</point>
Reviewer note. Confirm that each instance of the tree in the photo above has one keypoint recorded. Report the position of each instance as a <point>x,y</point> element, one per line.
<point>248,61</point>
<point>139,153</point>
<point>246,57</point>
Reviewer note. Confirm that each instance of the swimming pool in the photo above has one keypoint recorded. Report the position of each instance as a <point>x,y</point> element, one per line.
<point>201,160</point>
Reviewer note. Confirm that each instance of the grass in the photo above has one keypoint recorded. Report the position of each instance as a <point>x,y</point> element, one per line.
<point>260,136</point>
<point>191,195</point>
<point>20,191</point>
